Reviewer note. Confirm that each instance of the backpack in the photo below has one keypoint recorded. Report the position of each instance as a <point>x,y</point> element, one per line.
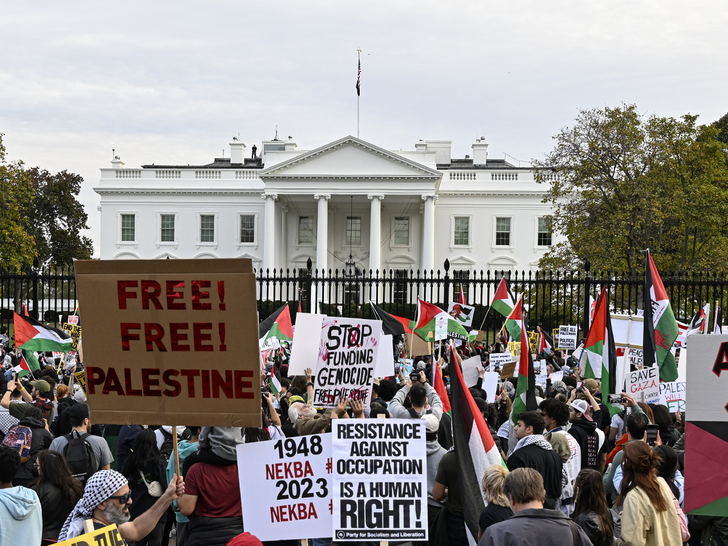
<point>80,457</point>
<point>167,446</point>
<point>19,439</point>
<point>44,406</point>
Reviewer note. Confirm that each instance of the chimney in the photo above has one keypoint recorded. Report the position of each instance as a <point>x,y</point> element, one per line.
<point>116,163</point>
<point>480,152</point>
<point>290,146</point>
<point>421,146</point>
<point>237,151</point>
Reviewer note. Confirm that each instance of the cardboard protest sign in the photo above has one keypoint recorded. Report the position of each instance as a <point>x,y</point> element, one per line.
<point>500,359</point>
<point>379,480</point>
<point>635,359</point>
<point>285,489</point>
<point>567,337</point>
<point>416,346</point>
<point>533,338</point>
<point>73,319</point>
<point>108,535</point>
<point>514,347</point>
<point>347,357</point>
<point>171,341</point>
<point>74,331</point>
<point>644,382</point>
<point>672,395</point>
<point>462,313</point>
<point>508,370</point>
<point>706,429</point>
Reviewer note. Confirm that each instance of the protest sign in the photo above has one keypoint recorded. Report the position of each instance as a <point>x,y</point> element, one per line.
<point>462,313</point>
<point>440,327</point>
<point>490,385</point>
<point>533,338</point>
<point>81,380</point>
<point>470,369</point>
<point>672,395</point>
<point>347,357</point>
<point>706,429</point>
<point>514,347</point>
<point>74,331</point>
<point>171,341</point>
<point>285,489</point>
<point>567,337</point>
<point>508,370</point>
<point>107,536</point>
<point>385,357</point>
<point>416,346</point>
<point>379,480</point>
<point>556,376</point>
<point>306,341</point>
<point>500,359</point>
<point>644,382</point>
<point>635,359</point>
<point>73,319</point>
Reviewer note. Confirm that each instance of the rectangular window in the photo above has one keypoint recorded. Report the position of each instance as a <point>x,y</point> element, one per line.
<point>128,227</point>
<point>462,231</point>
<point>400,286</point>
<point>460,282</point>
<point>247,228</point>
<point>166,223</point>
<point>207,228</point>
<point>305,230</point>
<point>503,232</point>
<point>353,231</point>
<point>544,233</point>
<point>401,230</point>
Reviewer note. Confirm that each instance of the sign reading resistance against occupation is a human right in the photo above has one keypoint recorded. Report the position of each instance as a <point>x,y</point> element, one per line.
<point>379,480</point>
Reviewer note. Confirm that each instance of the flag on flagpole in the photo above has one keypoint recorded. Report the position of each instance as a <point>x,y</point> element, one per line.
<point>514,321</point>
<point>525,399</point>
<point>660,326</point>
<point>601,352</point>
<point>475,448</point>
<point>545,343</point>
<point>427,316</point>
<point>440,389</point>
<point>699,323</point>
<point>503,300</point>
<point>461,297</point>
<point>278,325</point>
<point>391,325</point>
<point>31,335</point>
<point>718,322</point>
<point>23,368</point>
<point>358,77</point>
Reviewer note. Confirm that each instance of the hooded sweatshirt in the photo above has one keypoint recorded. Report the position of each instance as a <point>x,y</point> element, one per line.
<point>21,518</point>
<point>434,452</point>
<point>585,434</point>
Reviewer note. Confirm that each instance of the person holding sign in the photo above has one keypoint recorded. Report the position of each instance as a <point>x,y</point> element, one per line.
<point>421,395</point>
<point>107,499</point>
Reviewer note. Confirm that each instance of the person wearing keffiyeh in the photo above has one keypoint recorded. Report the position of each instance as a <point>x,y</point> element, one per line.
<point>106,501</point>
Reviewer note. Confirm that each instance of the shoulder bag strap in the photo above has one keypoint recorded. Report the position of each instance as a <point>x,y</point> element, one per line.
<point>574,533</point>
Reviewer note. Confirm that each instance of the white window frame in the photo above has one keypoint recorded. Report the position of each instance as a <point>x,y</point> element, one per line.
<point>214,243</point>
<point>346,230</point>
<point>254,244</point>
<point>161,243</point>
<point>536,246</point>
<point>119,242</point>
<point>299,244</point>
<point>495,223</point>
<point>469,246</point>
<point>393,221</point>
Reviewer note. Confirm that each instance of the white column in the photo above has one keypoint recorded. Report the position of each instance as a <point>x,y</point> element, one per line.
<point>428,233</point>
<point>269,242</point>
<point>283,251</point>
<point>322,236</point>
<point>375,233</point>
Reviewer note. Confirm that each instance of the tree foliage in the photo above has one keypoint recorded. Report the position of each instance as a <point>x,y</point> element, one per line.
<point>40,217</point>
<point>621,182</point>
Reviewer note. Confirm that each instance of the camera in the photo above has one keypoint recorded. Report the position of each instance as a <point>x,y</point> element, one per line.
<point>652,431</point>
<point>615,399</point>
<point>415,377</point>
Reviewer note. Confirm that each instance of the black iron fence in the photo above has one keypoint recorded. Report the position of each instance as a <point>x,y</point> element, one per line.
<point>550,298</point>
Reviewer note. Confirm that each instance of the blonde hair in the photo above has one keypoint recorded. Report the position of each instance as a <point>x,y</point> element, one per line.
<point>493,479</point>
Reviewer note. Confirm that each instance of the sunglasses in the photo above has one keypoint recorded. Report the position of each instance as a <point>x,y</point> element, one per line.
<point>123,499</point>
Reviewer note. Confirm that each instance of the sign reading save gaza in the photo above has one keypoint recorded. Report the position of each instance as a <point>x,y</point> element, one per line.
<point>171,341</point>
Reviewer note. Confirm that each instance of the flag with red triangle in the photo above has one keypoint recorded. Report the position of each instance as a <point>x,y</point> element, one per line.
<point>503,300</point>
<point>514,321</point>
<point>660,326</point>
<point>525,399</point>
<point>601,353</point>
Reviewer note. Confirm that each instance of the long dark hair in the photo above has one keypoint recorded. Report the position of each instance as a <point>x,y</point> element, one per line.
<point>639,470</point>
<point>590,496</point>
<point>54,470</point>
<point>257,434</point>
<point>144,457</point>
<point>667,466</point>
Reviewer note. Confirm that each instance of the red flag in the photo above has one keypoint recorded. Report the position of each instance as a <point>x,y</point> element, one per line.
<point>440,388</point>
<point>461,298</point>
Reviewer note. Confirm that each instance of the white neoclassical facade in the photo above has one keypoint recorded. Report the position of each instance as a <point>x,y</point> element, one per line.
<point>347,202</point>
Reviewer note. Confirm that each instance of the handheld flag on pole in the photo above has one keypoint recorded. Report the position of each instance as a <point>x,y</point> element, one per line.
<point>525,399</point>
<point>31,335</point>
<point>660,326</point>
<point>545,343</point>
<point>503,300</point>
<point>461,297</point>
<point>278,325</point>
<point>514,322</point>
<point>427,315</point>
<point>718,322</point>
<point>391,325</point>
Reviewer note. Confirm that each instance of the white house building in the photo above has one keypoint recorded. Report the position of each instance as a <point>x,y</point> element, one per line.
<point>347,201</point>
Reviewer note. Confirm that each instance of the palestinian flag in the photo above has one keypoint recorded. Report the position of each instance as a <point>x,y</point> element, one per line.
<point>545,343</point>
<point>427,316</point>
<point>525,399</point>
<point>391,325</point>
<point>601,353</point>
<point>31,335</point>
<point>503,300</point>
<point>275,385</point>
<point>474,448</point>
<point>440,389</point>
<point>660,327</point>
<point>514,322</point>
<point>461,297</point>
<point>278,325</point>
<point>718,322</point>
<point>699,324</point>
<point>24,368</point>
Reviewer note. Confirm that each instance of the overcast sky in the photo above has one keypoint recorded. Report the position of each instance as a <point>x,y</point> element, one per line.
<point>172,82</point>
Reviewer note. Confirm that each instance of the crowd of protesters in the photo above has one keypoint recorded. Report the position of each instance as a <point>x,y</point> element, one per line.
<point>571,473</point>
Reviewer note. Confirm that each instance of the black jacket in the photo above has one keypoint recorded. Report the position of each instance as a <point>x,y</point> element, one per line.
<point>55,509</point>
<point>41,440</point>
<point>204,531</point>
<point>585,433</point>
<point>589,522</point>
<point>547,463</point>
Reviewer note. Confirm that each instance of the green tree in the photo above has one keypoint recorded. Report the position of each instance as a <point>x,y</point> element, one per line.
<point>40,218</point>
<point>722,126</point>
<point>621,182</point>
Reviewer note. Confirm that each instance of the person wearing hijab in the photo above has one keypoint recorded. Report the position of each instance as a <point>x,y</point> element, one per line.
<point>106,500</point>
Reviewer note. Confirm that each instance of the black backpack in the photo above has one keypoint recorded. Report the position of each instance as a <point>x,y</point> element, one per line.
<point>80,457</point>
<point>167,445</point>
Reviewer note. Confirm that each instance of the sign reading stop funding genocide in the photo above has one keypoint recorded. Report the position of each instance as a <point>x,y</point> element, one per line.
<point>171,341</point>
<point>379,480</point>
<point>285,489</point>
<point>346,360</point>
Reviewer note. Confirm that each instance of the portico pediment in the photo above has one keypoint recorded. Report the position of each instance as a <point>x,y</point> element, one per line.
<point>350,158</point>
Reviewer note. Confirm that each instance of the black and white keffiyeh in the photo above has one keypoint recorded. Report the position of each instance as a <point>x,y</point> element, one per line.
<point>99,488</point>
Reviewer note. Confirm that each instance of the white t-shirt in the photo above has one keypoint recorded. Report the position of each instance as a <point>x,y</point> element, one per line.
<point>572,465</point>
<point>618,423</point>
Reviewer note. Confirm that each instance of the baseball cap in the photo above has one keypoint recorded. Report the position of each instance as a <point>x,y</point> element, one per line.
<point>79,411</point>
<point>42,386</point>
<point>582,407</point>
<point>432,424</point>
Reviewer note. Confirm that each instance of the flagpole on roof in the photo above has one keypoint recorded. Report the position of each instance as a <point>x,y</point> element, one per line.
<point>358,89</point>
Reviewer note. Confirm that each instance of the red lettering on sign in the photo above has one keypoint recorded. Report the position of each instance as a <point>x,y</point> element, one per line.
<point>218,383</point>
<point>198,336</point>
<point>94,376</point>
<point>127,336</point>
<point>177,336</point>
<point>173,383</point>
<point>198,295</point>
<point>190,375</point>
<point>174,292</point>
<point>112,383</point>
<point>151,290</point>
<point>721,360</point>
<point>127,380</point>
<point>241,386</point>
<point>153,333</point>
<point>121,287</point>
<point>148,381</point>
<point>292,512</point>
<point>205,375</point>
